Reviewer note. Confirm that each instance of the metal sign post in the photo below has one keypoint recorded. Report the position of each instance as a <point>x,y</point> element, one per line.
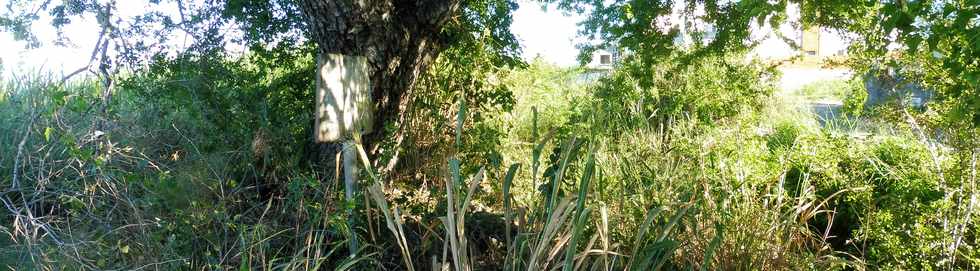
<point>343,111</point>
<point>350,186</point>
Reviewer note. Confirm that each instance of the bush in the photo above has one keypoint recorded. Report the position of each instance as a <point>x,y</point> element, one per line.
<point>887,202</point>
<point>855,97</point>
<point>833,89</point>
<point>784,136</point>
<point>652,95</point>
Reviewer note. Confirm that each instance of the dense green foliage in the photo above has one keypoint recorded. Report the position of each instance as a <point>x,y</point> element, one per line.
<point>707,91</point>
<point>709,191</point>
<point>682,157</point>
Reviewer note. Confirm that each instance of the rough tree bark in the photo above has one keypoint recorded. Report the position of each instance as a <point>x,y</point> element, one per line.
<point>400,38</point>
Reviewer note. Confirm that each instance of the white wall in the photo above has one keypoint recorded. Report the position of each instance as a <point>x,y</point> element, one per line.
<point>595,63</point>
<point>773,48</point>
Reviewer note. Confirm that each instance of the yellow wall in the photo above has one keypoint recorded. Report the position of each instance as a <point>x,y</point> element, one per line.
<point>811,40</point>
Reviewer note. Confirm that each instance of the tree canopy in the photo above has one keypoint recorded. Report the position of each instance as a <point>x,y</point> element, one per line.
<point>941,36</point>
<point>937,41</point>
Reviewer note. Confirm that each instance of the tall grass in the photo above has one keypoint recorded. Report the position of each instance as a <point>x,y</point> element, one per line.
<point>754,191</point>
<point>751,226</point>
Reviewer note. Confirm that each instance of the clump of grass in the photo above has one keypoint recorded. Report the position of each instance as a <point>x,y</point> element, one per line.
<point>832,90</point>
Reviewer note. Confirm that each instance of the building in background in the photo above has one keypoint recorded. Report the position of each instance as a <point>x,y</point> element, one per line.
<point>604,59</point>
<point>775,44</point>
<point>821,43</point>
<point>602,63</point>
<point>810,42</point>
<point>815,44</point>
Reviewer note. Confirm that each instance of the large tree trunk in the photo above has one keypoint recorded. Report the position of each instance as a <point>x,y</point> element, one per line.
<point>398,37</point>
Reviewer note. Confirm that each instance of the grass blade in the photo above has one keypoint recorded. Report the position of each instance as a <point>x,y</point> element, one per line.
<point>576,234</point>
<point>713,246</point>
<point>583,212</point>
<point>508,215</point>
<point>393,223</point>
<point>557,178</point>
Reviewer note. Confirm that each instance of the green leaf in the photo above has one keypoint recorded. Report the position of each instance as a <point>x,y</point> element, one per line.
<point>460,118</point>
<point>913,42</point>
<point>47,133</point>
<point>713,246</point>
<point>243,265</point>
<point>59,97</point>
<point>577,229</point>
<point>79,105</point>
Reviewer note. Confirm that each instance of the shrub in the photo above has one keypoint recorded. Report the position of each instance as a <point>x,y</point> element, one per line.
<point>855,97</point>
<point>833,89</point>
<point>784,136</point>
<point>651,95</point>
<point>889,199</point>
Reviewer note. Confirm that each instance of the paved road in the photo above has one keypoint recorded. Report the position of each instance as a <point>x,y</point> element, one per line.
<point>825,111</point>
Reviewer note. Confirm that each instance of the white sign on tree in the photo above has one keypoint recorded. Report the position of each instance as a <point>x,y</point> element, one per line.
<point>343,112</point>
<point>343,97</point>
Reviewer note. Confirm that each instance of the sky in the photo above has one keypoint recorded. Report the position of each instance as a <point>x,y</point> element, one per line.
<point>81,34</point>
<point>49,57</point>
<point>548,34</point>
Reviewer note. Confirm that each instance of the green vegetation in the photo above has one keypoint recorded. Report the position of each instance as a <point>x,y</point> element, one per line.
<point>829,89</point>
<point>680,158</point>
<point>676,191</point>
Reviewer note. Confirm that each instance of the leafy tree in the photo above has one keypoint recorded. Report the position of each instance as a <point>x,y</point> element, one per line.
<point>937,41</point>
<point>932,43</point>
<point>401,39</point>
